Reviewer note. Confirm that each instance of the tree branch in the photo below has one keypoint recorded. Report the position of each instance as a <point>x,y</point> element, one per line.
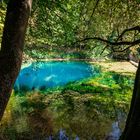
<point>136,28</point>
<point>117,42</point>
<point>111,43</point>
<point>93,11</point>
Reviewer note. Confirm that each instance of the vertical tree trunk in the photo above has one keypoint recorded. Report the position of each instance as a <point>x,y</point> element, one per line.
<point>12,47</point>
<point>132,128</point>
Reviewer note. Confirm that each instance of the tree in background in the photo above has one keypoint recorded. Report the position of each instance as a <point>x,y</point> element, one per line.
<point>12,47</point>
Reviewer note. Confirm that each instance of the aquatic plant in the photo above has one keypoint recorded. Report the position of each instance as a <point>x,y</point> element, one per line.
<point>85,109</point>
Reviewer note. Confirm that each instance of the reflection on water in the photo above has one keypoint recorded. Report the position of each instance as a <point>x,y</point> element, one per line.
<point>61,136</point>
<point>41,75</point>
<point>115,133</point>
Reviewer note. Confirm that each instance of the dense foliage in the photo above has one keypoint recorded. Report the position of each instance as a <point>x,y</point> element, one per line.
<point>70,25</point>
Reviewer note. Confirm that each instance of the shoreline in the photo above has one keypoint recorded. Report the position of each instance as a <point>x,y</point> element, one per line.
<point>108,65</point>
<point>64,59</point>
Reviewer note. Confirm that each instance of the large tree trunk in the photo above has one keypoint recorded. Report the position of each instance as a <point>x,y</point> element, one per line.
<point>12,47</point>
<point>132,128</point>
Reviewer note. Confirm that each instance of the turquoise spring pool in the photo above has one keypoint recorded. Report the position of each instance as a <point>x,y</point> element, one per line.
<point>42,75</point>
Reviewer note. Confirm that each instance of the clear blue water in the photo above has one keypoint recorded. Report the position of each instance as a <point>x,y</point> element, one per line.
<point>42,75</point>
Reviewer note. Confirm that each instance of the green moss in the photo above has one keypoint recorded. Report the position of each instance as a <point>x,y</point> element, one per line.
<point>81,108</point>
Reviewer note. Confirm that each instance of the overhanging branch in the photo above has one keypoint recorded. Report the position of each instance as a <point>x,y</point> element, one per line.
<point>111,43</point>
<point>136,28</point>
<point>117,42</point>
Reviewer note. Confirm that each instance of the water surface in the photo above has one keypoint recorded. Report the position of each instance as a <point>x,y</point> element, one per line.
<point>42,75</point>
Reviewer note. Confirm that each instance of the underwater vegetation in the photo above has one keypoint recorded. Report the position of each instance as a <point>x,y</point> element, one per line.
<point>84,109</point>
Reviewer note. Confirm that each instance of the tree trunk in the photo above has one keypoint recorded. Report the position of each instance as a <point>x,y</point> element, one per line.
<point>132,128</point>
<point>12,47</point>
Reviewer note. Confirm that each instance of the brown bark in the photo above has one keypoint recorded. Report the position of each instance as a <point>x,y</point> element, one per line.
<point>12,47</point>
<point>132,128</point>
